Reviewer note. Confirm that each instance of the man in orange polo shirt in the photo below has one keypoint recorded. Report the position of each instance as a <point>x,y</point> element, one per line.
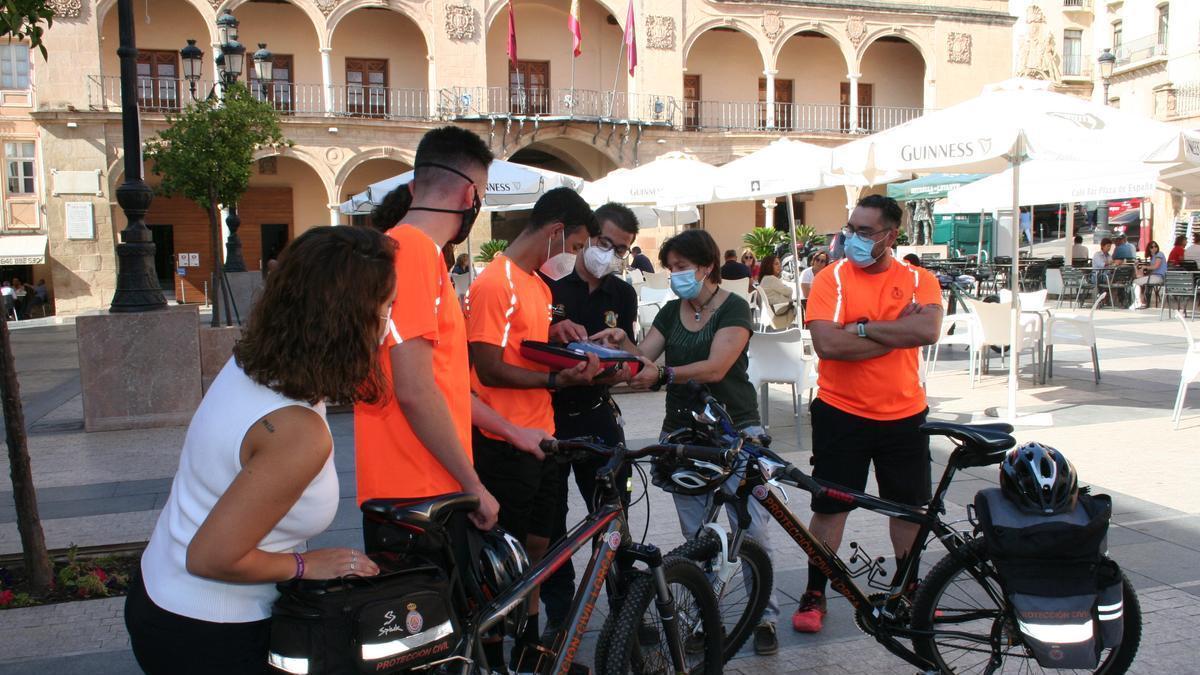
<point>869,313</point>
<point>417,443</point>
<point>508,303</point>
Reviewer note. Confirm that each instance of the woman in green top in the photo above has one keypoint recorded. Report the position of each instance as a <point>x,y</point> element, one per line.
<point>704,335</point>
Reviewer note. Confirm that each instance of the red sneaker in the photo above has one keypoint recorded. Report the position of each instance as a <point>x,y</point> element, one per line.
<point>810,614</point>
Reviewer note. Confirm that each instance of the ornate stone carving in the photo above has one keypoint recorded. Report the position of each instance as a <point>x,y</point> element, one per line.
<point>268,166</point>
<point>66,9</point>
<point>333,156</point>
<point>216,4</point>
<point>326,6</point>
<point>856,29</point>
<point>460,22</point>
<point>772,24</point>
<point>660,32</point>
<point>1039,53</point>
<point>959,47</point>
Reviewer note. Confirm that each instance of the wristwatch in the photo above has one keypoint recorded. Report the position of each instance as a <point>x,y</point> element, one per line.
<point>862,328</point>
<point>552,381</point>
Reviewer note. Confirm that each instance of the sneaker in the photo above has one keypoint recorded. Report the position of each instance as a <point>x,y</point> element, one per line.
<point>810,614</point>
<point>765,641</point>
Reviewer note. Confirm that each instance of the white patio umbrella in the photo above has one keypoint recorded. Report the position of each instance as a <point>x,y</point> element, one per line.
<point>675,182</point>
<point>510,187</point>
<point>1006,125</point>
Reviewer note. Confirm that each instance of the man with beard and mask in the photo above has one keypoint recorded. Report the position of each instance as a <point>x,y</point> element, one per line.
<point>510,302</point>
<point>594,297</point>
<point>417,442</point>
<point>869,314</point>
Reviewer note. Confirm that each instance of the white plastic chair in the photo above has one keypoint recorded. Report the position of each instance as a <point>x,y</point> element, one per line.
<point>995,321</point>
<point>781,357</point>
<point>966,332</point>
<point>462,282</point>
<point>761,311</point>
<point>1073,329</point>
<point>1033,301</point>
<point>658,280</point>
<point>739,287</point>
<point>650,295</point>
<point>636,276</point>
<point>1190,372</point>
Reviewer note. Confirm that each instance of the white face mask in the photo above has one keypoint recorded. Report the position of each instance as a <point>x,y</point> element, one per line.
<point>558,265</point>
<point>599,262</point>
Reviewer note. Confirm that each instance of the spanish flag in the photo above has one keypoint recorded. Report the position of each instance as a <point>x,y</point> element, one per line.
<point>630,40</point>
<point>573,26</point>
<point>512,35</point>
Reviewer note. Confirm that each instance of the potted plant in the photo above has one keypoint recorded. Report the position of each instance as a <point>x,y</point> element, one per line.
<point>490,249</point>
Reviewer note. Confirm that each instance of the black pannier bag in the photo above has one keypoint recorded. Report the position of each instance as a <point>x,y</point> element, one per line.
<point>1067,597</point>
<point>384,624</point>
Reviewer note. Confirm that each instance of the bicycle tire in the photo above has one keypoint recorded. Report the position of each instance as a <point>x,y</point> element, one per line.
<point>951,567</point>
<point>703,550</point>
<point>621,632</point>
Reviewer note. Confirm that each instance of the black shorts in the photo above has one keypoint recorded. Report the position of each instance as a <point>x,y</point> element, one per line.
<point>526,487</point>
<point>845,445</point>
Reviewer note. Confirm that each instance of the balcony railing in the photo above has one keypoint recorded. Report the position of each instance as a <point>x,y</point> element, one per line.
<point>1187,99</point>
<point>1141,49</point>
<point>536,102</point>
<point>165,95</point>
<point>1077,4</point>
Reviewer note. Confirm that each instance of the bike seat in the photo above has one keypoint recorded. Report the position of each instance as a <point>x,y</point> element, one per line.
<point>982,444</point>
<point>421,511</point>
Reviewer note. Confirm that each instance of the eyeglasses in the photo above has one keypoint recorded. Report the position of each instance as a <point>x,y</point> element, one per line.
<point>605,244</point>
<point>865,232</point>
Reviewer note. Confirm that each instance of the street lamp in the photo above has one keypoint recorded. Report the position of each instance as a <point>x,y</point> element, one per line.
<point>193,63</point>
<point>264,63</point>
<point>137,282</point>
<point>227,27</point>
<point>1106,60</point>
<point>233,56</point>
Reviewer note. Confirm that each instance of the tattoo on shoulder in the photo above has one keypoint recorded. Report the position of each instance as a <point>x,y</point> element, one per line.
<point>270,427</point>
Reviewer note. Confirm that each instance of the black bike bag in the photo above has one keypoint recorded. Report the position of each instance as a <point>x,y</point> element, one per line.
<point>384,624</point>
<point>1054,573</point>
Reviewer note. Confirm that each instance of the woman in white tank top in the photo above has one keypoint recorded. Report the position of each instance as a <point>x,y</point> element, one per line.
<point>256,478</point>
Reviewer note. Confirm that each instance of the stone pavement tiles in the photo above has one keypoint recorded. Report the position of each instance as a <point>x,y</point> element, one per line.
<point>107,488</point>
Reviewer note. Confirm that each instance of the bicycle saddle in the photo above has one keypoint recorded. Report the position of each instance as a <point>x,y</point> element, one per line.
<point>983,444</point>
<point>421,512</point>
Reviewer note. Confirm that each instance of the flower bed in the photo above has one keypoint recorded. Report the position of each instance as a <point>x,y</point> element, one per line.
<point>77,576</point>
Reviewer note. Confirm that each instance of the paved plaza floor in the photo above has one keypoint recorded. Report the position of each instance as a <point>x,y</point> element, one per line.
<point>107,488</point>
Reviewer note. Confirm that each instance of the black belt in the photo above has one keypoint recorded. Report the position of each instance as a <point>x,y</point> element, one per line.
<point>577,408</point>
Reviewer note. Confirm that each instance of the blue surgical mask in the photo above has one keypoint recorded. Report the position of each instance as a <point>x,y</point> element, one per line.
<point>859,250</point>
<point>685,284</point>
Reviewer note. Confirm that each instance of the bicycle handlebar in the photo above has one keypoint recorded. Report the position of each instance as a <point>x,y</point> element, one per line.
<point>677,450</point>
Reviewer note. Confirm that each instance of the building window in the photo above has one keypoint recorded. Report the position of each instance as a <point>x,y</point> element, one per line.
<point>158,79</point>
<point>1073,52</point>
<point>1164,20</point>
<point>19,157</point>
<point>529,87</point>
<point>366,87</point>
<point>279,90</point>
<point>14,66</point>
<point>1117,39</point>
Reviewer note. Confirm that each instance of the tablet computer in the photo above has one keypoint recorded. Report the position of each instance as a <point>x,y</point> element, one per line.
<point>562,356</point>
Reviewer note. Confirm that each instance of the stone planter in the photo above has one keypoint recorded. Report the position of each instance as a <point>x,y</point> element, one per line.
<point>216,346</point>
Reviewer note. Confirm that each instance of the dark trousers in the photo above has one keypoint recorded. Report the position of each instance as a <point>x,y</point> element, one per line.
<point>169,644</point>
<point>601,422</point>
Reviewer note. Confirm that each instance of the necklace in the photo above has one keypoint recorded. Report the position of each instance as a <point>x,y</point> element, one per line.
<point>701,308</point>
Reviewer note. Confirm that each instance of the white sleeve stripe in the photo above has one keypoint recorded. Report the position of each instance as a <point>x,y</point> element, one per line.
<point>837,278</point>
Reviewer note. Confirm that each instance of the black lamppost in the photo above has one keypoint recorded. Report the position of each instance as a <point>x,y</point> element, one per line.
<point>229,64</point>
<point>1106,60</point>
<point>137,283</point>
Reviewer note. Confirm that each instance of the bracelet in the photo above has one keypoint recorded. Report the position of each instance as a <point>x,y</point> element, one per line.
<point>670,375</point>
<point>299,566</point>
<point>658,383</point>
<point>552,381</point>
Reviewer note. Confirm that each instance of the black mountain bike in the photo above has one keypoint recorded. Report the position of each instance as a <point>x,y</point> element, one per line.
<point>637,637</point>
<point>957,618</point>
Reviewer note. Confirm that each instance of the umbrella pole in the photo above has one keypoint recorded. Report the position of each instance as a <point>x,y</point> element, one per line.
<point>792,233</point>
<point>1014,280</point>
<point>1070,239</point>
<point>979,242</point>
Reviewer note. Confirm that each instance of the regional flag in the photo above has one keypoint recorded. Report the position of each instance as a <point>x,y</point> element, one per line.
<point>512,35</point>
<point>573,26</point>
<point>630,40</point>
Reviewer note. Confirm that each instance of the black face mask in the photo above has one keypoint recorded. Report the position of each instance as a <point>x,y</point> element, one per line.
<point>468,215</point>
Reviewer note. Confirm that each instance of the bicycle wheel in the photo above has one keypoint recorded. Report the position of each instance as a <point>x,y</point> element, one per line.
<point>951,598</point>
<point>634,633</point>
<point>744,598</point>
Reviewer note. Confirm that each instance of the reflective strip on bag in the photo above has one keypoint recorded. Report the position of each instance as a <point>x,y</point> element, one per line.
<point>288,664</point>
<point>1058,633</point>
<point>1110,612</point>
<point>382,650</point>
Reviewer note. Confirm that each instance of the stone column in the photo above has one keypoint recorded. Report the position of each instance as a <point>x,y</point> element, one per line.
<point>327,78</point>
<point>769,209</point>
<point>854,102</point>
<point>770,75</point>
<point>335,214</point>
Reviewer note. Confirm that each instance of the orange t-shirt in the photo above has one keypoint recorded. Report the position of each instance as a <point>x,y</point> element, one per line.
<point>505,305</point>
<point>886,387</point>
<point>391,461</point>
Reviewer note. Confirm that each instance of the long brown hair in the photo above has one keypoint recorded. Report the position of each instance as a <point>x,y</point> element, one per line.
<point>766,267</point>
<point>314,333</point>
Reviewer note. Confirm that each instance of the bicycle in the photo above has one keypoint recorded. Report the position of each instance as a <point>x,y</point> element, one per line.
<point>922,611</point>
<point>398,523</point>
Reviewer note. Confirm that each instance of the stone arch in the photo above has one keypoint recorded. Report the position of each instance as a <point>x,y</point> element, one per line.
<point>811,27</point>
<point>726,22</point>
<point>902,74</point>
<point>206,10</point>
<point>174,22</point>
<point>406,8</point>
<point>575,151</point>
<point>315,17</point>
<point>308,157</point>
<point>902,33</point>
<point>403,156</point>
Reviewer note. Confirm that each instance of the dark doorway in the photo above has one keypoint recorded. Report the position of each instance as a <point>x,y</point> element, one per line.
<point>274,239</point>
<point>164,255</point>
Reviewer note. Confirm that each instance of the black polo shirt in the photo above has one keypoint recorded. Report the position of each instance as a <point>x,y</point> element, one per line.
<point>613,305</point>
